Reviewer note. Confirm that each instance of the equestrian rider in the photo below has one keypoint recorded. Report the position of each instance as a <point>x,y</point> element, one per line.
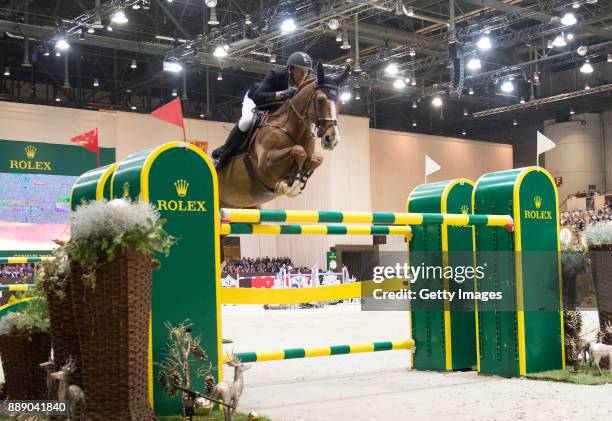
<point>277,86</point>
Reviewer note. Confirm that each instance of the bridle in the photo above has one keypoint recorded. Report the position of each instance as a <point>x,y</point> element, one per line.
<point>322,123</point>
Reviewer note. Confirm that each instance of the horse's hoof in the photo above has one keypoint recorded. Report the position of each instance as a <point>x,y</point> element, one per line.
<point>295,189</point>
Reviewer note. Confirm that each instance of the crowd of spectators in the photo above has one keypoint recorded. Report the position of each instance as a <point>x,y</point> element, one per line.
<point>579,219</point>
<point>22,271</point>
<point>248,265</point>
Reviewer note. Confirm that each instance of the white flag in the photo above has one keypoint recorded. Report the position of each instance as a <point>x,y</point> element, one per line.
<point>544,144</point>
<point>431,166</point>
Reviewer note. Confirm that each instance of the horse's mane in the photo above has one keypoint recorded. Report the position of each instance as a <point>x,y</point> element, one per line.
<point>301,89</point>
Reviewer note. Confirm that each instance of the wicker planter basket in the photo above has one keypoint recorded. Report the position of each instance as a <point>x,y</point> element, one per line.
<point>112,322</point>
<point>21,355</point>
<point>601,262</point>
<point>64,337</point>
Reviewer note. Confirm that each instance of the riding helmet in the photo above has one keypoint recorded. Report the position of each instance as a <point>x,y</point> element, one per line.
<point>300,59</point>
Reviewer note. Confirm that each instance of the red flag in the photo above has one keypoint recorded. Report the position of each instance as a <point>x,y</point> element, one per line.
<point>171,113</point>
<point>89,140</point>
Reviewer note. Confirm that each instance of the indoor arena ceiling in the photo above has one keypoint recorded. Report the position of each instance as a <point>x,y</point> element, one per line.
<point>417,65</point>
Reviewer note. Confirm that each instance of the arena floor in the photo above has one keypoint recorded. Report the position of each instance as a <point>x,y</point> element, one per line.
<point>379,386</point>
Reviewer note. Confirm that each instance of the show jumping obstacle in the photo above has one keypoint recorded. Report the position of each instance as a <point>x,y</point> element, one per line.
<point>180,180</point>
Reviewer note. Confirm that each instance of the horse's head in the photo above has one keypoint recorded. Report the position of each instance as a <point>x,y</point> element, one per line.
<point>327,106</point>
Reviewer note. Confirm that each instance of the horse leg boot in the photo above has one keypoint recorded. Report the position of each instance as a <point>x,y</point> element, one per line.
<point>234,141</point>
<point>310,166</point>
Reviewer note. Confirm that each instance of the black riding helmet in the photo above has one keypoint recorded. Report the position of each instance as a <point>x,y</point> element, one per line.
<point>300,59</point>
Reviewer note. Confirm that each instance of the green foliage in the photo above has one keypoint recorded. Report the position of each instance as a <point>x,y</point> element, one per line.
<point>215,416</point>
<point>588,376</point>
<point>183,353</point>
<point>33,319</point>
<point>102,231</point>
<point>574,260</point>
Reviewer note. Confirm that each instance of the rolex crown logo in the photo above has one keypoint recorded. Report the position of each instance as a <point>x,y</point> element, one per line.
<point>181,187</point>
<point>126,189</point>
<point>30,152</point>
<point>465,209</point>
<point>538,202</point>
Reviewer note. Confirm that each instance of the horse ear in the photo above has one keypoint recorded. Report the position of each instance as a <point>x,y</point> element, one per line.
<point>320,73</point>
<point>343,75</point>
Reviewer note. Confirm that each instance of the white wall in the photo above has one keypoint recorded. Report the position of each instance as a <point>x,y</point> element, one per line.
<point>578,156</point>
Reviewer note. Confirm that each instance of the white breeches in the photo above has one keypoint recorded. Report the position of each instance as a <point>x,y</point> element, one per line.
<point>246,120</point>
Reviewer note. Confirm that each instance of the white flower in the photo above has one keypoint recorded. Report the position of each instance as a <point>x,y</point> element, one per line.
<point>110,219</point>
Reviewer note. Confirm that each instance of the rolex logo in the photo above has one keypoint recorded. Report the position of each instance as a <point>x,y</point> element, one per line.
<point>126,189</point>
<point>30,152</point>
<point>538,202</point>
<point>181,187</point>
<point>465,209</point>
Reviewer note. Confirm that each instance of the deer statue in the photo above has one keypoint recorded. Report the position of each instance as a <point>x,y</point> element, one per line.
<point>72,393</point>
<point>49,367</point>
<point>230,391</point>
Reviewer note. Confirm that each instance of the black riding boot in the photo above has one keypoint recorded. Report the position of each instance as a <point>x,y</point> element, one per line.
<point>234,142</point>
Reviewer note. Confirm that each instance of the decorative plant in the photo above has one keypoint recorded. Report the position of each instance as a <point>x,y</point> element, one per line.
<point>183,353</point>
<point>574,261</point>
<point>101,231</point>
<point>573,337</point>
<point>598,234</point>
<point>33,318</point>
<point>55,272</point>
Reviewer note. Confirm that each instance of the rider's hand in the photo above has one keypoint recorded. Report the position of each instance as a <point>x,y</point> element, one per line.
<point>289,92</point>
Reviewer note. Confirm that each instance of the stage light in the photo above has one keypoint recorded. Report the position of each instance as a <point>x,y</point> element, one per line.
<point>7,71</point>
<point>571,111</point>
<point>609,60</point>
<point>174,92</point>
<point>333,24</point>
<point>399,84</point>
<point>484,43</point>
<point>569,19</point>
<point>463,132</point>
<point>345,96</point>
<point>414,104</point>
<point>575,5</point>
<point>559,41</point>
<point>587,86</point>
<point>357,95</point>
<point>412,52</point>
<point>134,65</point>
<point>220,52</point>
<point>507,86</point>
<point>414,123</point>
<point>172,66</point>
<point>247,20</point>
<point>569,36</point>
<point>213,20</point>
<point>219,75</point>
<point>522,100</point>
<point>436,101</point>
<point>514,122</point>
<point>211,3</point>
<point>586,67</point>
<point>91,30</point>
<point>474,64</point>
<point>287,26</point>
<point>96,83</point>
<point>133,107</point>
<point>272,58</point>
<point>471,91</point>
<point>61,44</point>
<point>119,17</point>
<point>465,112</point>
<point>391,69</point>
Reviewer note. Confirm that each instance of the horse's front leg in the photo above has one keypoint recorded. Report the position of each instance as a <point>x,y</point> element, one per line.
<point>310,166</point>
<point>284,165</point>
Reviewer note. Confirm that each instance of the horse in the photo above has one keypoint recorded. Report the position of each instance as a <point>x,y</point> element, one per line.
<point>280,156</point>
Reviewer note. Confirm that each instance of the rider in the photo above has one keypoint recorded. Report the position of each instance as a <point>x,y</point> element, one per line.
<point>277,86</point>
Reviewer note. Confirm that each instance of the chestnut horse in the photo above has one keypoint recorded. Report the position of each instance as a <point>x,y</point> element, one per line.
<point>281,156</point>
